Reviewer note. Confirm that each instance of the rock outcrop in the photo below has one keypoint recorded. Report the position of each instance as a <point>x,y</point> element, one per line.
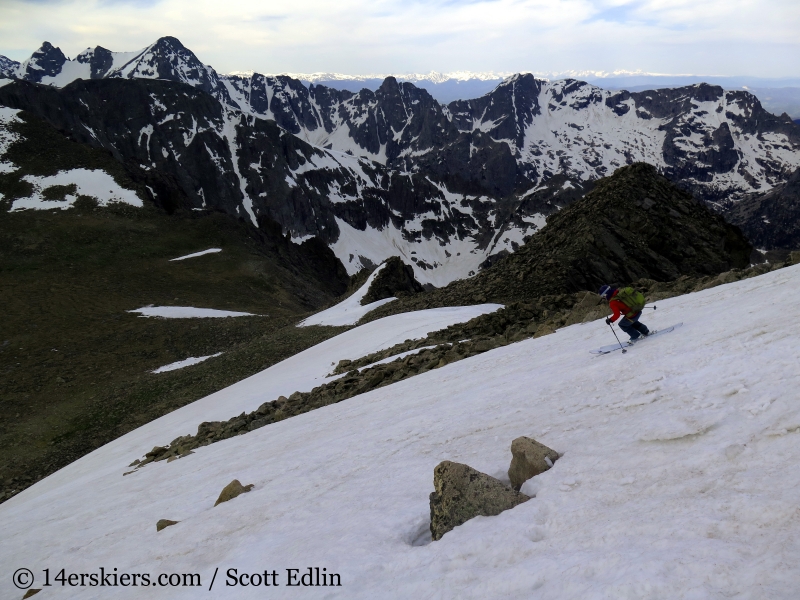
<point>164,523</point>
<point>529,458</point>
<point>233,489</point>
<point>451,187</point>
<point>462,493</point>
<point>395,279</point>
<point>633,225</point>
<point>771,221</point>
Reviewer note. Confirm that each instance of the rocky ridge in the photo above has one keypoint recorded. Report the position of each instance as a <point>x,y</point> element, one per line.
<point>395,279</point>
<point>450,186</point>
<point>771,221</point>
<point>633,225</point>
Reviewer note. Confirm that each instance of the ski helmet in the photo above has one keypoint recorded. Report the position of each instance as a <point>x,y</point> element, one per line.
<point>606,291</point>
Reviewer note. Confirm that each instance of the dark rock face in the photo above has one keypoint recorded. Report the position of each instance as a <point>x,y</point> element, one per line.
<point>47,61</point>
<point>485,172</point>
<point>250,168</point>
<point>395,278</point>
<point>632,225</point>
<point>771,221</point>
<point>193,147</point>
<point>170,60</point>
<point>8,67</point>
<point>462,493</point>
<point>99,59</point>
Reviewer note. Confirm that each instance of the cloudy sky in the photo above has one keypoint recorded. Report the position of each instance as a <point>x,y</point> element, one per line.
<point>702,37</point>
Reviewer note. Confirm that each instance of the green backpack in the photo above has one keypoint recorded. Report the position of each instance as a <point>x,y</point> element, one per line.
<point>631,298</point>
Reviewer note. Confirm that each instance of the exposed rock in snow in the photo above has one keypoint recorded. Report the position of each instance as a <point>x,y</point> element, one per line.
<point>232,490</point>
<point>463,493</point>
<point>164,523</point>
<point>395,278</point>
<point>529,458</point>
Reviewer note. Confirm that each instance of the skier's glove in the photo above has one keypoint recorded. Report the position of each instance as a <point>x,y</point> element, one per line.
<point>608,321</point>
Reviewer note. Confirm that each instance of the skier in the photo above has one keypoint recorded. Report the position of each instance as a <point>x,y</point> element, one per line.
<point>629,303</point>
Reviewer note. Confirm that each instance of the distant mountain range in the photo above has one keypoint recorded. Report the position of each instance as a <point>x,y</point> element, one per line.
<point>777,95</point>
<point>449,187</point>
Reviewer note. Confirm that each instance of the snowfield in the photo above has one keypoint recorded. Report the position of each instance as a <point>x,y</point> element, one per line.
<point>349,311</point>
<point>679,475</point>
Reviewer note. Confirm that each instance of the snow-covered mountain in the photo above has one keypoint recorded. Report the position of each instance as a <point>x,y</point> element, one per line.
<point>677,476</point>
<point>777,95</point>
<point>394,171</point>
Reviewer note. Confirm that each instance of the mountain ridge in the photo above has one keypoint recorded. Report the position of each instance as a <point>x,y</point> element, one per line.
<point>448,187</point>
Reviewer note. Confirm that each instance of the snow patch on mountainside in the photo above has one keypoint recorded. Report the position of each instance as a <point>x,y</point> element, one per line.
<point>188,312</point>
<point>7,137</point>
<point>350,310</point>
<point>678,476</point>
<point>186,362</point>
<point>196,254</point>
<point>81,182</point>
<point>428,257</point>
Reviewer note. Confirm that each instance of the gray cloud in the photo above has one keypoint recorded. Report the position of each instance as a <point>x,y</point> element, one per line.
<point>722,37</point>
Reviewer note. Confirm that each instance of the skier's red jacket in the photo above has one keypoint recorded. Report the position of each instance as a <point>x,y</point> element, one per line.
<point>620,308</point>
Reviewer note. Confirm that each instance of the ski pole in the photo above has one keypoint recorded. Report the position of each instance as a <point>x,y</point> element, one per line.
<point>653,307</point>
<point>615,335</point>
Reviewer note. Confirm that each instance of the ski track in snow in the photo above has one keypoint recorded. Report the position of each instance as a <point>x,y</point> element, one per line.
<point>679,476</point>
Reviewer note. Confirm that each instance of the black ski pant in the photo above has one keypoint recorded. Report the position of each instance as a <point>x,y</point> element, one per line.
<point>633,327</point>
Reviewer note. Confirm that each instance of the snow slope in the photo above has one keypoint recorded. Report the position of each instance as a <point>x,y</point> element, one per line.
<point>349,310</point>
<point>679,476</point>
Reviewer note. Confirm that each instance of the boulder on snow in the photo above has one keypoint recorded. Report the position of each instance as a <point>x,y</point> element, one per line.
<point>396,277</point>
<point>462,493</point>
<point>233,489</point>
<point>164,523</point>
<point>528,459</point>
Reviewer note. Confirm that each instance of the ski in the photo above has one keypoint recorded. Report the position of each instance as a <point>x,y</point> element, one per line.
<point>626,346</point>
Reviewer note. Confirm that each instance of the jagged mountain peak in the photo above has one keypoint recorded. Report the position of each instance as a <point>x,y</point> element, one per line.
<point>8,67</point>
<point>479,175</point>
<point>167,58</point>
<point>47,61</point>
